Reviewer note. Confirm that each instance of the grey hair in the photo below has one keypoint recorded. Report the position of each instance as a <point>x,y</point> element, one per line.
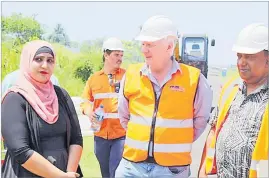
<point>173,40</point>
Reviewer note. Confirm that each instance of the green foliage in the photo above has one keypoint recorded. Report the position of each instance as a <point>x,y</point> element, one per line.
<point>72,68</point>
<point>10,57</point>
<point>21,28</point>
<point>59,36</point>
<point>83,72</point>
<point>89,164</point>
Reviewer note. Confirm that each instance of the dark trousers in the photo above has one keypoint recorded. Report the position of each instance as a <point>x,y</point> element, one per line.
<point>108,154</point>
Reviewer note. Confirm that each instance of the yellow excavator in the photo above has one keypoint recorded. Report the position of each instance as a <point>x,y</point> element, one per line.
<point>193,51</point>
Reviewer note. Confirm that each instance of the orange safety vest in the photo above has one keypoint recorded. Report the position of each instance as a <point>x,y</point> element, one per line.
<point>168,122</point>
<point>99,91</point>
<point>260,152</point>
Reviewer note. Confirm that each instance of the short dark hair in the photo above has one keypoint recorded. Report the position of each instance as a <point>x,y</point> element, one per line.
<point>108,52</point>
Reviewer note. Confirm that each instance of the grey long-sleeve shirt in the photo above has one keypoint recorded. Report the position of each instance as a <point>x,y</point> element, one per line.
<point>202,103</point>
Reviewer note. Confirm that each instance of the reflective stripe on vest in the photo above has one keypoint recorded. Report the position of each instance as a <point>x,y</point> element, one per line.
<point>210,153</point>
<point>105,95</point>
<point>161,148</point>
<point>161,122</point>
<point>262,169</point>
<point>111,116</point>
<point>253,165</point>
<point>164,123</point>
<point>225,93</point>
<point>258,168</point>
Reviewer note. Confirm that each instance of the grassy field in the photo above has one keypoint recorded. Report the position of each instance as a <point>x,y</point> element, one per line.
<point>89,163</point>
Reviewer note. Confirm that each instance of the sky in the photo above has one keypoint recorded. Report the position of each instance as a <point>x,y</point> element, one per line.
<point>90,20</point>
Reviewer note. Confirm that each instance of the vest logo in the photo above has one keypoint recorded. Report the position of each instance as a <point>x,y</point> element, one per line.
<point>177,88</point>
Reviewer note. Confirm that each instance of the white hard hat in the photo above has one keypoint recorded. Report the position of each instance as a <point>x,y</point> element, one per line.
<point>112,44</point>
<point>156,28</point>
<point>252,39</point>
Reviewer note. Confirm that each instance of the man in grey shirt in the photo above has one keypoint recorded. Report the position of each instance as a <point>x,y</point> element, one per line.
<point>158,37</point>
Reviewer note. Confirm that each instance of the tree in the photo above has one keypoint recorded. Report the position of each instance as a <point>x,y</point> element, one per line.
<point>83,72</point>
<point>21,28</point>
<point>59,36</point>
<point>16,31</point>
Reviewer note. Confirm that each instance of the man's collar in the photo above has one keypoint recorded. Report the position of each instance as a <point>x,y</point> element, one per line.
<point>175,67</point>
<point>101,72</point>
<point>243,87</point>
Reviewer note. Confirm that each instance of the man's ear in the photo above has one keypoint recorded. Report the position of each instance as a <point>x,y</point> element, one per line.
<point>170,47</point>
<point>105,55</point>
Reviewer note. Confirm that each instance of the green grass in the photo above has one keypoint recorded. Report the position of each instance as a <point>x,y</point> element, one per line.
<point>89,164</point>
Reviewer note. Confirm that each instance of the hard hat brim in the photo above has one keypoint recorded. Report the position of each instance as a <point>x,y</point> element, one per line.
<point>114,49</point>
<point>245,50</point>
<point>147,38</point>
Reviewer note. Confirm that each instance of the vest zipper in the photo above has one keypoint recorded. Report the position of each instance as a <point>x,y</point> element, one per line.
<point>156,106</point>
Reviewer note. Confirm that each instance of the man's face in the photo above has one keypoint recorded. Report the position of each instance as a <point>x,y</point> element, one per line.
<point>114,59</point>
<point>156,53</point>
<point>252,67</point>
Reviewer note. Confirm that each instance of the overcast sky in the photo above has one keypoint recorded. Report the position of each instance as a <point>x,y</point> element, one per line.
<point>90,20</point>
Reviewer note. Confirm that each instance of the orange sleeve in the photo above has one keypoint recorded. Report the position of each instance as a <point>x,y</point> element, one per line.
<point>87,97</point>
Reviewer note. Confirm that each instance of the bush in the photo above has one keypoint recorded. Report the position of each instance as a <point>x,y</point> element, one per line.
<point>72,68</point>
<point>83,72</point>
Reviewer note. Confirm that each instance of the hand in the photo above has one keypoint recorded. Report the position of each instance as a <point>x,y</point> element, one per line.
<point>92,116</point>
<point>71,175</point>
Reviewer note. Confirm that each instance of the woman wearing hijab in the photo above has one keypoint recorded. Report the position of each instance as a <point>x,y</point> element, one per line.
<point>39,122</point>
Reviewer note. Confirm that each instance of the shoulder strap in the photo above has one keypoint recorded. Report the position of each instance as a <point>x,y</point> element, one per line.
<point>260,151</point>
<point>225,109</point>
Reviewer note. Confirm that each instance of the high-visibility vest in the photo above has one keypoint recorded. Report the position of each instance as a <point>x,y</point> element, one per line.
<point>226,90</point>
<point>260,152</point>
<point>167,121</point>
<point>98,91</point>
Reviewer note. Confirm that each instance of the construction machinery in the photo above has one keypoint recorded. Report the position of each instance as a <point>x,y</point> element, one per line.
<point>194,51</point>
